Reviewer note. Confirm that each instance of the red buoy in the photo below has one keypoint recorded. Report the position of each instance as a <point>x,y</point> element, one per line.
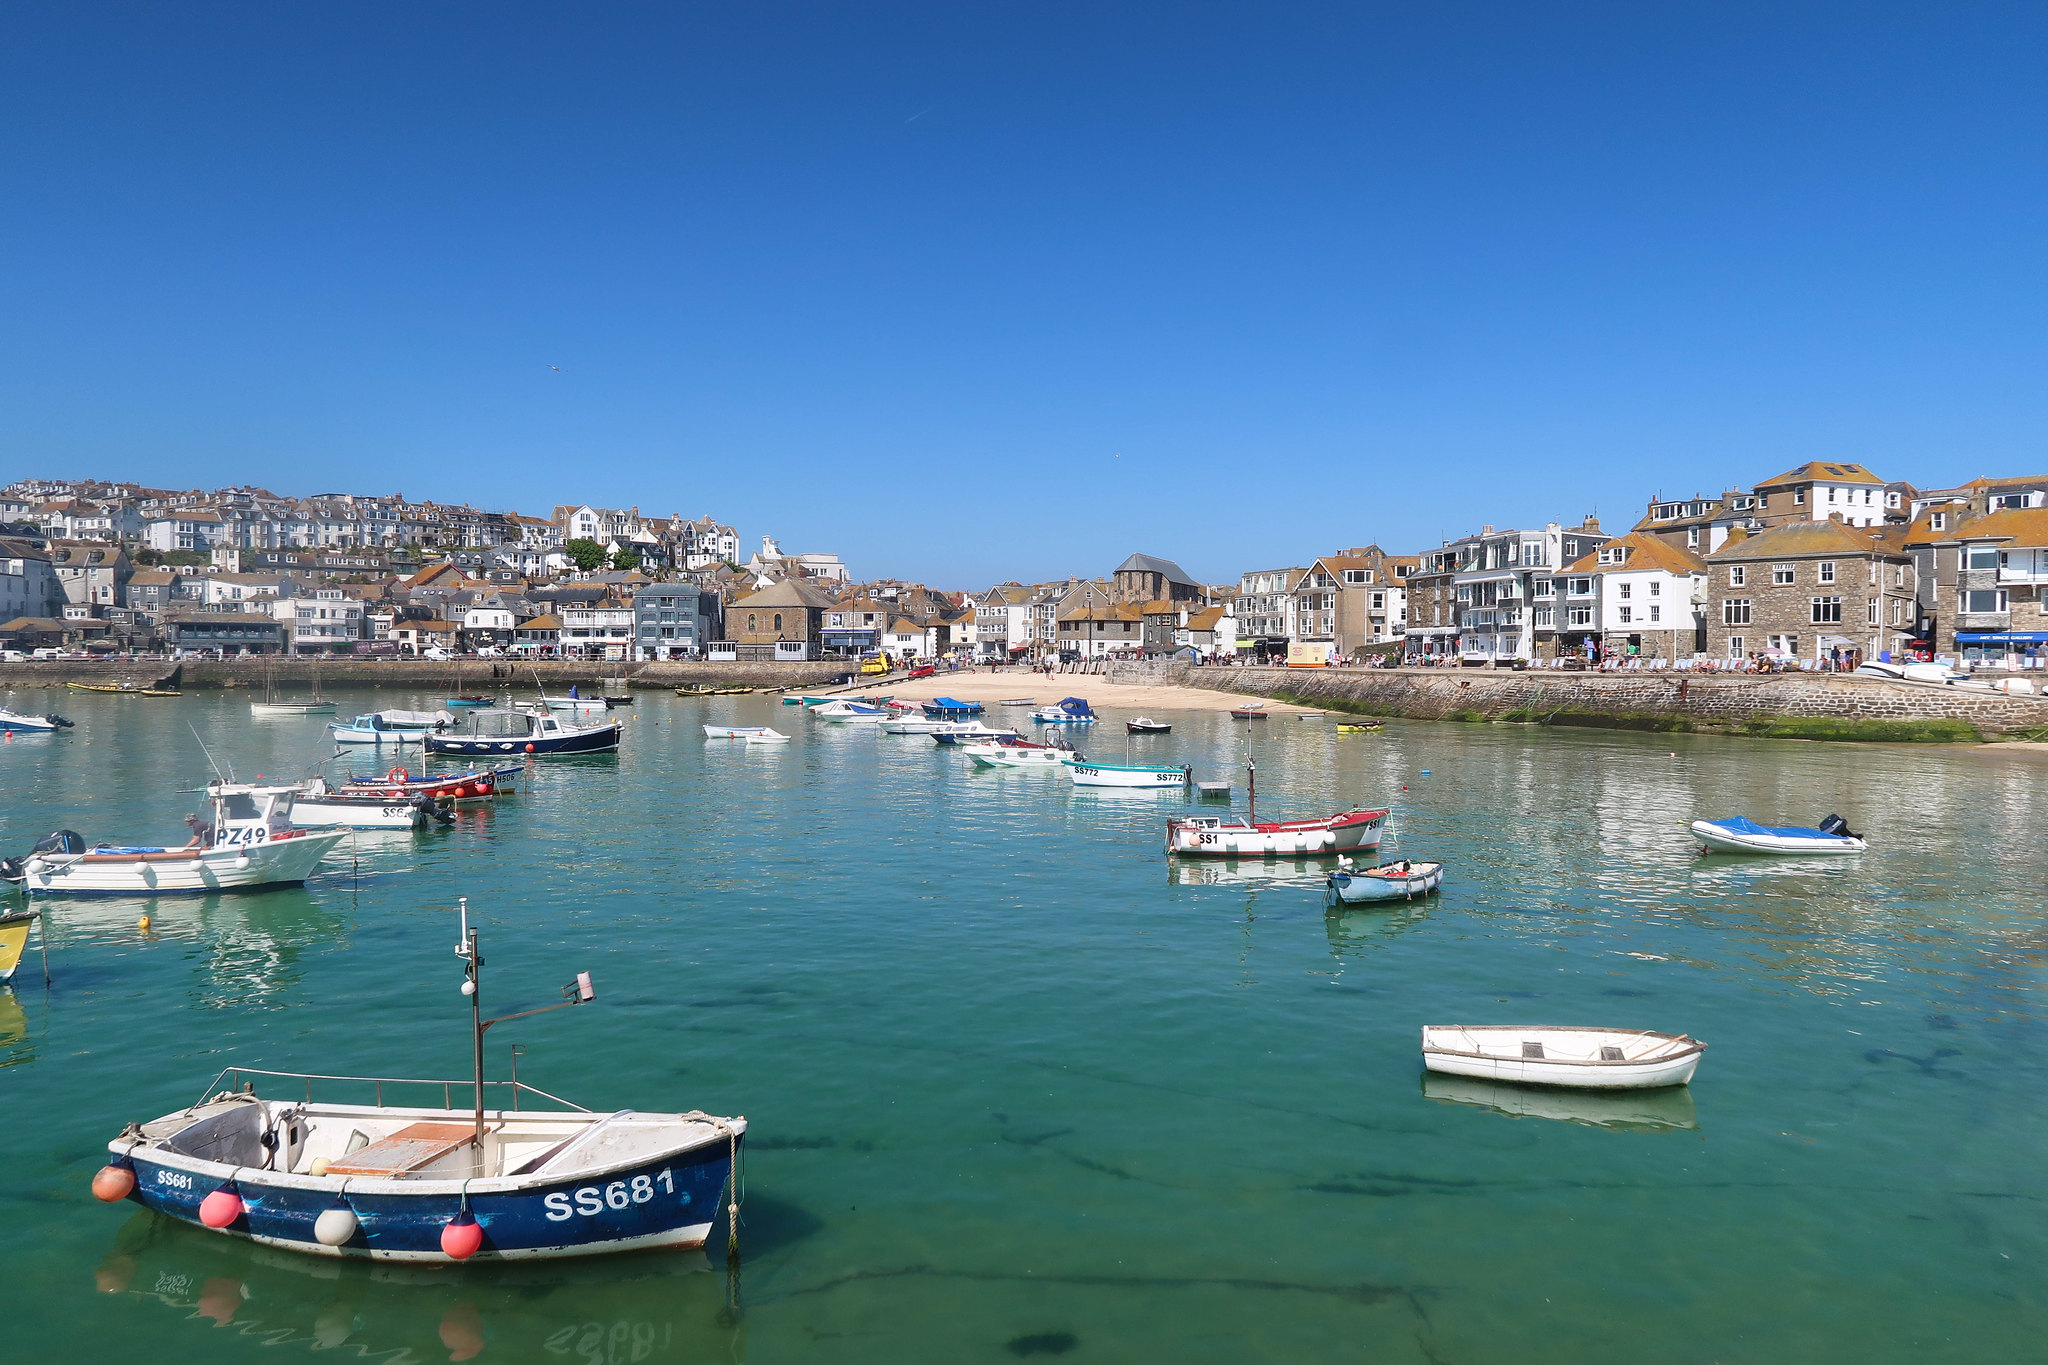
<point>113,1183</point>
<point>220,1208</point>
<point>462,1237</point>
<point>529,748</point>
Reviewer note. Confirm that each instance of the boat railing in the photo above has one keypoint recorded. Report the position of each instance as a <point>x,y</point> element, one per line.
<point>230,1078</point>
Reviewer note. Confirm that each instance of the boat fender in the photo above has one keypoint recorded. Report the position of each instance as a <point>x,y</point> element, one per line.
<point>336,1226</point>
<point>113,1183</point>
<point>529,748</point>
<point>221,1208</point>
<point>462,1236</point>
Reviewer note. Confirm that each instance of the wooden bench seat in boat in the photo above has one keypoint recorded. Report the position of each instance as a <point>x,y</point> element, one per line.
<point>405,1151</point>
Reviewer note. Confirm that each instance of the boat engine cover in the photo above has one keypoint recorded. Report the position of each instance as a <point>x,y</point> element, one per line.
<point>1836,826</point>
<point>62,841</point>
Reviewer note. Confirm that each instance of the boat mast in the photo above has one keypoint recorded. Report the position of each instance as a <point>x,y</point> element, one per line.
<point>1251,787</point>
<point>473,961</point>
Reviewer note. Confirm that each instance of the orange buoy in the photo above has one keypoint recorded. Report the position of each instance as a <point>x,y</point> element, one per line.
<point>529,748</point>
<point>220,1208</point>
<point>462,1237</point>
<point>113,1183</point>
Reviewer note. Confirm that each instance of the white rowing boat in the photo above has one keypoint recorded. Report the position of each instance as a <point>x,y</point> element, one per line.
<point>1583,1058</point>
<point>733,731</point>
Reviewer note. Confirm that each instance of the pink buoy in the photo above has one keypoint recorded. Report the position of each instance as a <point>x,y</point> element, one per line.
<point>462,1237</point>
<point>220,1208</point>
<point>113,1183</point>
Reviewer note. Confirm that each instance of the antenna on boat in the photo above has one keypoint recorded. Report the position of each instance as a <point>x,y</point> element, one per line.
<point>578,992</point>
<point>209,754</point>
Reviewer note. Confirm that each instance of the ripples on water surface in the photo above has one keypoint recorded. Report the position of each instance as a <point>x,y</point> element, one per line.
<point>1020,1088</point>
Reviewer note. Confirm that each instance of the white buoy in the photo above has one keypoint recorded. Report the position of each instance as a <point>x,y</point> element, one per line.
<point>335,1227</point>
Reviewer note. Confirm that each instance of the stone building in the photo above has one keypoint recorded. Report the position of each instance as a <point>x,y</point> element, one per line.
<point>1983,581</point>
<point>1148,578</point>
<point>1804,589</point>
<point>782,621</point>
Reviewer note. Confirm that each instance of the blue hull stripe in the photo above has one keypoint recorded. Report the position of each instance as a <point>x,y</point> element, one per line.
<point>657,1199</point>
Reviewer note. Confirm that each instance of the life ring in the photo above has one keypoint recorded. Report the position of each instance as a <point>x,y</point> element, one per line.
<point>398,775</point>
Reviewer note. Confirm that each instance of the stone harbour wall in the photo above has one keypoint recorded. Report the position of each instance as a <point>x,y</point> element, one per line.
<point>1798,705</point>
<point>297,674</point>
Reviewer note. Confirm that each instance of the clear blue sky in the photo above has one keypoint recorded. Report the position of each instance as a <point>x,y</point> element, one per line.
<point>967,292</point>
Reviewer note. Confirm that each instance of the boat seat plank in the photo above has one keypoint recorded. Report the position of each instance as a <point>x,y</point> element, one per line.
<point>408,1149</point>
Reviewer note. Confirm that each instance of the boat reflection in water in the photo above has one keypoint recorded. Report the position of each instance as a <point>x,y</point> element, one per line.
<point>1351,927</point>
<point>1248,873</point>
<point>15,1044</point>
<point>594,1310</point>
<point>1642,1111</point>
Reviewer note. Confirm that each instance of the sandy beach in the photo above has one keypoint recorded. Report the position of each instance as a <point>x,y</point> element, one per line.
<point>1100,692</point>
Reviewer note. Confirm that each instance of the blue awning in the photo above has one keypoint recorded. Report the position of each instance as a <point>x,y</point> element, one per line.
<point>2002,637</point>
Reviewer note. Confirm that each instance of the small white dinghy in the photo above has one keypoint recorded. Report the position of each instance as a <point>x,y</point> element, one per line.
<point>1743,835</point>
<point>768,737</point>
<point>1582,1058</point>
<point>1042,758</point>
<point>1396,881</point>
<point>734,731</point>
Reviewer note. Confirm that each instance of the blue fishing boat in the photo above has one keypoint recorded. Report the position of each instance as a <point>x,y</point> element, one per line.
<point>394,1182</point>
<point>1066,711</point>
<point>951,708</point>
<point>525,732</point>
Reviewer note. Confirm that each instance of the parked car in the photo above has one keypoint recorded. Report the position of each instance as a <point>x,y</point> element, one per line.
<point>923,671</point>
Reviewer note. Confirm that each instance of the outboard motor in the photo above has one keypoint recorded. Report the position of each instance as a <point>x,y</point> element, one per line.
<point>58,721</point>
<point>63,841</point>
<point>1838,827</point>
<point>433,809</point>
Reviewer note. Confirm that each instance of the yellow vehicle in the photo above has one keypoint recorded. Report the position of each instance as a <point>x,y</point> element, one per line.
<point>873,667</point>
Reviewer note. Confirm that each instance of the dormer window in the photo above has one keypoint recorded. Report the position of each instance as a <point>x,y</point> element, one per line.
<point>1614,555</point>
<point>1938,522</point>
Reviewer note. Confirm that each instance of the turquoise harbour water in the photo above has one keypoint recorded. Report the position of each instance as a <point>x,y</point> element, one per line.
<point>1018,1088</point>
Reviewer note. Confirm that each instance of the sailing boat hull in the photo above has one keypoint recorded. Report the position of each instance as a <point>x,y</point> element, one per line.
<point>291,708</point>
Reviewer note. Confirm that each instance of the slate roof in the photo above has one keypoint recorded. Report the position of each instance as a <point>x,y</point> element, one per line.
<point>1154,564</point>
<point>1797,538</point>
<point>788,593</point>
<point>1646,553</point>
<point>2019,525</point>
<point>1823,471</point>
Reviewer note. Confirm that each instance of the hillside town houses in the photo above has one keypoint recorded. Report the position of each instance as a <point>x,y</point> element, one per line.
<point>1824,565</point>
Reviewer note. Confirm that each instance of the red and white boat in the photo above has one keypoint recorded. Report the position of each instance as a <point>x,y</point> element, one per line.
<point>1213,836</point>
<point>478,785</point>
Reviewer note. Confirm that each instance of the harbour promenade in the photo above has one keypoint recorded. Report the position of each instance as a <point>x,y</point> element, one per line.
<point>1786,706</point>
